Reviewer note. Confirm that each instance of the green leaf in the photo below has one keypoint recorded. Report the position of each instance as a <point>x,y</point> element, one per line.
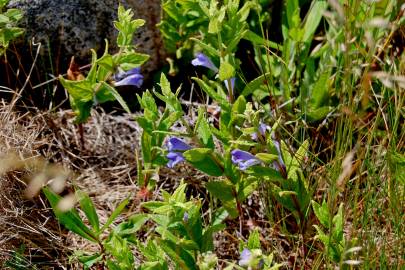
<point>246,187</point>
<point>106,61</point>
<point>148,103</point>
<point>215,22</point>
<point>314,115</point>
<point>254,240</point>
<point>203,131</point>
<point>210,91</point>
<point>82,110</point>
<point>239,106</point>
<point>112,265</point>
<point>115,214</point>
<point>258,40</point>
<point>117,96</point>
<point>221,190</point>
<point>322,236</point>
<point>89,260</point>
<point>118,247</point>
<point>130,60</point>
<point>70,219</point>
<point>211,51</point>
<point>79,90</point>
<point>226,71</point>
<point>243,13</point>
<point>256,83</point>
<point>313,19</point>
<point>88,208</point>
<point>172,103</point>
<point>134,224</point>
<point>103,95</point>
<point>338,224</point>
<point>321,212</point>
<point>3,3</point>
<point>266,173</point>
<point>197,154</point>
<point>203,160</point>
<point>153,205</point>
<point>126,26</point>
<point>319,93</point>
<point>165,85</point>
<point>179,195</point>
<point>207,239</point>
<point>146,145</point>
<point>178,254</point>
<point>266,158</point>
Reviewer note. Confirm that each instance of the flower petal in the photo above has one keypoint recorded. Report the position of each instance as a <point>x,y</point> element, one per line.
<point>230,90</point>
<point>174,158</point>
<point>263,128</point>
<point>203,60</point>
<point>134,79</point>
<point>239,155</point>
<point>248,163</point>
<point>136,70</point>
<point>245,257</point>
<point>244,159</point>
<point>175,144</point>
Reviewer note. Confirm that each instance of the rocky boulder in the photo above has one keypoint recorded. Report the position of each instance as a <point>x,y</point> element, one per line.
<point>67,28</point>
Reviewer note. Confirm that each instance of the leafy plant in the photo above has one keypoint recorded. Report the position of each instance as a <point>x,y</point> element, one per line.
<point>114,251</point>
<point>333,238</point>
<point>96,88</point>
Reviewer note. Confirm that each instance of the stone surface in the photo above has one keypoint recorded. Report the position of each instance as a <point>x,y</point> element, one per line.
<point>67,28</point>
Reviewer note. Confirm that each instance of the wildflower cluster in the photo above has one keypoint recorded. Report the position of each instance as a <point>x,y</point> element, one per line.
<point>249,148</point>
<point>175,147</point>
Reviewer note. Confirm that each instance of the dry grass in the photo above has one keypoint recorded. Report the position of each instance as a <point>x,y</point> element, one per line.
<point>104,166</point>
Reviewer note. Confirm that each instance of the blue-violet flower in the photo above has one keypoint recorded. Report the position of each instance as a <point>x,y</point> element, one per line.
<point>131,77</point>
<point>175,147</point>
<point>203,60</point>
<point>174,158</point>
<point>175,144</point>
<point>185,217</point>
<point>262,131</point>
<point>230,89</point>
<point>281,164</point>
<point>245,257</point>
<point>244,159</point>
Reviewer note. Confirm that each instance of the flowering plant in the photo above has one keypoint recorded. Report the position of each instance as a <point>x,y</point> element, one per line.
<point>123,67</point>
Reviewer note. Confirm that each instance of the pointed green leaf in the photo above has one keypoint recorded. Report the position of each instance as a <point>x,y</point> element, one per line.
<point>180,256</point>
<point>88,208</point>
<point>203,160</point>
<point>221,190</point>
<point>226,71</point>
<point>70,219</point>
<point>117,96</point>
<point>115,214</point>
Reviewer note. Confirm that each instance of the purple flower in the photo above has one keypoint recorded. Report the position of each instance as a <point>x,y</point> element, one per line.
<point>174,158</point>
<point>185,217</point>
<point>175,144</point>
<point>230,89</point>
<point>281,165</point>
<point>245,257</point>
<point>244,159</point>
<point>175,147</point>
<point>203,60</point>
<point>262,131</point>
<point>131,77</point>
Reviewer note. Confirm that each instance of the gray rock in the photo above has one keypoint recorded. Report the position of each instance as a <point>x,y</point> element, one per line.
<point>67,28</point>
